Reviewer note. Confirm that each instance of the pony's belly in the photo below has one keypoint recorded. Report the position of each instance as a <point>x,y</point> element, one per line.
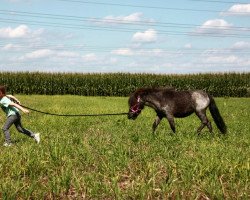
<point>181,115</point>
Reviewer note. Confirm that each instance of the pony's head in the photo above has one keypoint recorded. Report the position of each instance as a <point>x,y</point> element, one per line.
<point>135,105</point>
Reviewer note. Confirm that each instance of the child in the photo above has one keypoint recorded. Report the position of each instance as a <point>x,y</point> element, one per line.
<point>11,108</point>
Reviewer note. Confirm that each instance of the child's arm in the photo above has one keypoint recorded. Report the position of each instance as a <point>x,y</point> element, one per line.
<point>19,107</point>
<point>12,97</point>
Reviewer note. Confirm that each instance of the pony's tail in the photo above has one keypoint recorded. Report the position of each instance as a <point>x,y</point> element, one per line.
<point>216,116</point>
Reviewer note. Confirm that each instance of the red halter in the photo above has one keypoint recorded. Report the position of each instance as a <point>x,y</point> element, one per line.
<point>136,108</point>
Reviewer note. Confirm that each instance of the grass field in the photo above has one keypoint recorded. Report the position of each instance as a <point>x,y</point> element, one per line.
<point>112,157</point>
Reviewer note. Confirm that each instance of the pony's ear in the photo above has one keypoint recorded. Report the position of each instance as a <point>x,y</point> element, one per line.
<point>142,94</point>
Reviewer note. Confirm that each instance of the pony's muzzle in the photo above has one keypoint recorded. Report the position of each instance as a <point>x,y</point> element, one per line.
<point>132,115</point>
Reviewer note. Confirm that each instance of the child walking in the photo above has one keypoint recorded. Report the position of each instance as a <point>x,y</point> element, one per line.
<point>11,107</point>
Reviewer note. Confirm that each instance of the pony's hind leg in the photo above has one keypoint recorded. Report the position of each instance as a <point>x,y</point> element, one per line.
<point>156,122</point>
<point>204,121</point>
<point>171,122</point>
<point>209,125</point>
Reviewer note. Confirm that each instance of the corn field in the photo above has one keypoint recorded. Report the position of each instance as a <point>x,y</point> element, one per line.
<point>122,84</point>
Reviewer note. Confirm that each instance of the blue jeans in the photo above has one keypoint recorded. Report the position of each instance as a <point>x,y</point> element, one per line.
<point>15,119</point>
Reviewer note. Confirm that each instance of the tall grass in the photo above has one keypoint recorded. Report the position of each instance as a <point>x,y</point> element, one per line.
<point>122,84</point>
<point>115,158</point>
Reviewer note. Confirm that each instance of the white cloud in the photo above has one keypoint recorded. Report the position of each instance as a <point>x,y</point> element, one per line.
<point>38,54</point>
<point>11,47</point>
<point>214,26</point>
<point>188,46</point>
<point>67,54</point>
<point>18,32</point>
<point>152,53</point>
<point>238,9</point>
<point>21,31</point>
<point>139,52</point>
<point>157,52</point>
<point>147,36</point>
<point>90,57</point>
<point>123,52</point>
<point>53,54</point>
<point>241,45</point>
<point>136,17</point>
<point>230,59</point>
<point>13,1</point>
<point>227,63</point>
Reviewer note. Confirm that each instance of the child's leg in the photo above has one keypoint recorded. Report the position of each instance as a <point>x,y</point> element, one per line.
<point>20,128</point>
<point>10,120</point>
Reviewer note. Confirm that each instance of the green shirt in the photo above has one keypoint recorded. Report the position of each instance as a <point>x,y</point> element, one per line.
<point>5,105</point>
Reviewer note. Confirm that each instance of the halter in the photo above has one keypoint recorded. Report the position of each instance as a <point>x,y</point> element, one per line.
<point>136,108</point>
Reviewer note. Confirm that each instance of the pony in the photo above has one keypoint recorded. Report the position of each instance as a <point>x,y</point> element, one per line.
<point>170,103</point>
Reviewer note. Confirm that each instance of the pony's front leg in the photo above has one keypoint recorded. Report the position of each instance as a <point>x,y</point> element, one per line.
<point>156,122</point>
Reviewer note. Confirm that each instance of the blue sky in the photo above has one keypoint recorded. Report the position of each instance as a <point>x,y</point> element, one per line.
<point>187,36</point>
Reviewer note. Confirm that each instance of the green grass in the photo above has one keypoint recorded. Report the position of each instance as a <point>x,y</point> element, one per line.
<point>112,157</point>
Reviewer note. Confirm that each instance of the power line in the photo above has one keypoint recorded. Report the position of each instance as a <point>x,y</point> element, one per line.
<point>119,29</point>
<point>111,21</point>
<point>25,47</point>
<point>216,1</point>
<point>45,18</point>
<point>149,7</point>
<point>129,30</point>
<point>123,30</point>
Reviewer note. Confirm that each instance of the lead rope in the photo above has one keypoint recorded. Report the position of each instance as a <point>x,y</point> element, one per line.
<point>67,115</point>
<point>74,115</point>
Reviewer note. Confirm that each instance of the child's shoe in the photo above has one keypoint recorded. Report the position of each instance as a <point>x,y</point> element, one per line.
<point>37,137</point>
<point>7,144</point>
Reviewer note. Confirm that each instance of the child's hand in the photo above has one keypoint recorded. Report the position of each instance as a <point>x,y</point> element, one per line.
<point>19,107</point>
<point>26,111</point>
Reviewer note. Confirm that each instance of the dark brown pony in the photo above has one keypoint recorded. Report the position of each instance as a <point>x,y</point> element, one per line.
<point>169,103</point>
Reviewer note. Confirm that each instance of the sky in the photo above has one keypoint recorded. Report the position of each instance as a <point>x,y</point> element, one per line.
<point>104,36</point>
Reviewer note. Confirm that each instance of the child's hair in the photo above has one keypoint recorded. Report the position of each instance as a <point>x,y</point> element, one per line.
<point>3,89</point>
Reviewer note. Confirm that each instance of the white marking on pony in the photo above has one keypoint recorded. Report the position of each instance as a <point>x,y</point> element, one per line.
<point>138,99</point>
<point>201,100</point>
<point>167,109</point>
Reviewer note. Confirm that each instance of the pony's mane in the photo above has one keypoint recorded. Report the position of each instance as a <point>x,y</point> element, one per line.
<point>140,91</point>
